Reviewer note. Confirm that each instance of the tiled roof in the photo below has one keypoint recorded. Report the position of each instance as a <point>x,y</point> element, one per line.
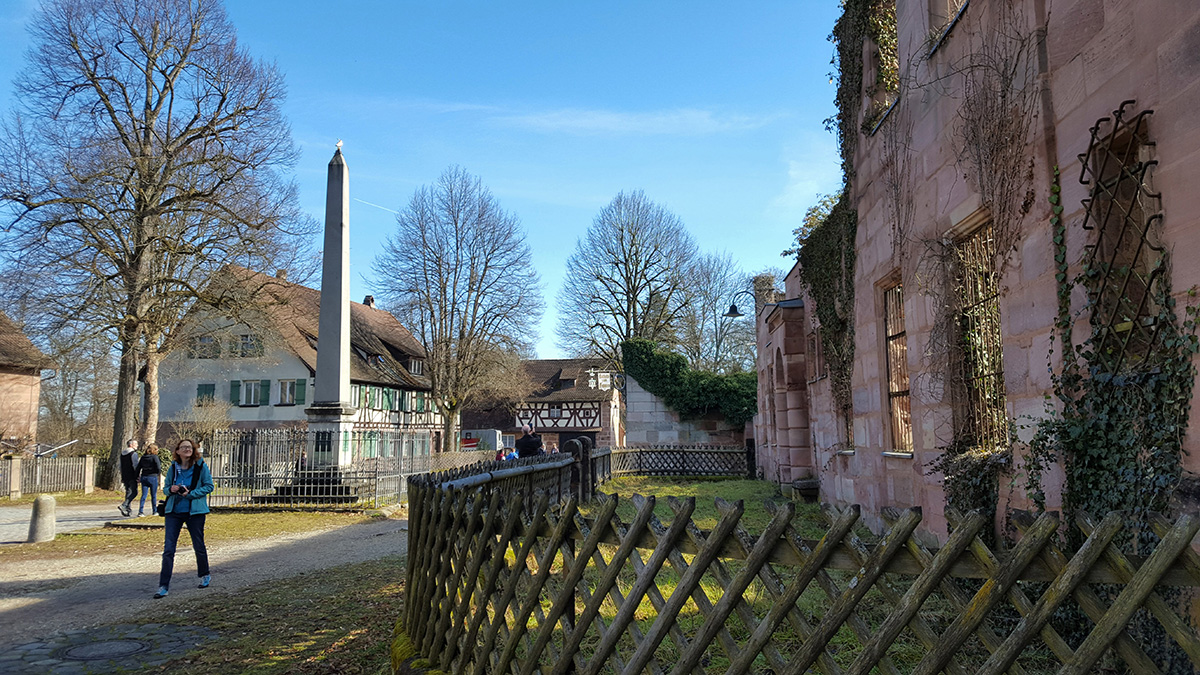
<point>379,343</point>
<point>549,374</point>
<point>16,349</point>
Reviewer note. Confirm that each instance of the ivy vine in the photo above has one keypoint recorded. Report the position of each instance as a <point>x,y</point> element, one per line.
<point>861,20</point>
<point>827,259</point>
<point>1119,435</point>
<point>691,393</point>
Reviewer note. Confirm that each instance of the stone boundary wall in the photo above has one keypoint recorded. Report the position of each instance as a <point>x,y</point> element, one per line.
<point>650,422</point>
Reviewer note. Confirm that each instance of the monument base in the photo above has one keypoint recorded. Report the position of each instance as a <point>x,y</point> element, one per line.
<point>330,426</point>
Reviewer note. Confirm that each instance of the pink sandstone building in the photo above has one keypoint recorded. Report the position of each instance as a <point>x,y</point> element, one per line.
<point>1020,143</point>
<point>21,366</point>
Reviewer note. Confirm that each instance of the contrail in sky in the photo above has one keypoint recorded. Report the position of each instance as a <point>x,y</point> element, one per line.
<point>375,205</point>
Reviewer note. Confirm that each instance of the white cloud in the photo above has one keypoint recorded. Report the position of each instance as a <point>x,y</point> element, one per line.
<point>679,122</point>
<point>815,171</point>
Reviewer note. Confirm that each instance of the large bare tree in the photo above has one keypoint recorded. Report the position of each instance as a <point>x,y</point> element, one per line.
<point>625,279</point>
<point>710,340</point>
<point>148,152</point>
<point>458,271</point>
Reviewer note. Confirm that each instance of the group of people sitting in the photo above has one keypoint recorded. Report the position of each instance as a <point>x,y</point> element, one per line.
<point>528,445</point>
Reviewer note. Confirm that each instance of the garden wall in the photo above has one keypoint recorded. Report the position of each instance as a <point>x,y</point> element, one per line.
<point>649,421</point>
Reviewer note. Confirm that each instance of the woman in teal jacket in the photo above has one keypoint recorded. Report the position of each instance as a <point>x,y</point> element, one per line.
<point>188,483</point>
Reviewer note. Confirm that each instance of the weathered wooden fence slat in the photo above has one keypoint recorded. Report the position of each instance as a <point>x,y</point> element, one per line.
<point>507,575</point>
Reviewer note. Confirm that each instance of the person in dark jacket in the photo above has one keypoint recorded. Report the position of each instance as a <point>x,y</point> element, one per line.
<point>530,444</point>
<point>149,469</point>
<point>129,475</point>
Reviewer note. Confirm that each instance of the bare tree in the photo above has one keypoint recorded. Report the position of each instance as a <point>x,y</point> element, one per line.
<point>147,153</point>
<point>625,279</point>
<point>710,340</point>
<point>77,401</point>
<point>458,271</point>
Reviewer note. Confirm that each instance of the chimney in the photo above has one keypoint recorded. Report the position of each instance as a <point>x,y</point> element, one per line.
<point>281,274</point>
<point>764,290</point>
<point>369,301</point>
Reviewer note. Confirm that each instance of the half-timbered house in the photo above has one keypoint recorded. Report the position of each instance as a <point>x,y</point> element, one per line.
<point>573,398</point>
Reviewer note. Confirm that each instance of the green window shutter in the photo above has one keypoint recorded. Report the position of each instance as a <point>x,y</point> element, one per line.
<point>300,390</point>
<point>264,392</point>
<point>235,392</point>
<point>420,401</point>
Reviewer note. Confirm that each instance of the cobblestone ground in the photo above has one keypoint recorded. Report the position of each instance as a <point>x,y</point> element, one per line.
<point>111,649</point>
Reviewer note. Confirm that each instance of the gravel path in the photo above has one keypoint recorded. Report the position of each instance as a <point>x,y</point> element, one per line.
<point>14,520</point>
<point>41,599</point>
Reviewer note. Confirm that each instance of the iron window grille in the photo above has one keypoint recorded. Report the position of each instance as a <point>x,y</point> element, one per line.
<point>981,418</point>
<point>896,342</point>
<point>1126,259</point>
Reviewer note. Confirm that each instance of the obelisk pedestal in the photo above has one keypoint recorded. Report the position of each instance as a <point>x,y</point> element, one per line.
<point>331,413</point>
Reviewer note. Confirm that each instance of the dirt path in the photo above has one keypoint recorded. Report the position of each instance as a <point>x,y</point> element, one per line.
<point>39,599</point>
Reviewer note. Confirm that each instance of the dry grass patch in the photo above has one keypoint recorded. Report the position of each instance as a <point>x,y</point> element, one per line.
<point>337,620</point>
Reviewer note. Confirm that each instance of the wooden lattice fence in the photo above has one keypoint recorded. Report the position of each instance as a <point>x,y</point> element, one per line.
<point>501,582</point>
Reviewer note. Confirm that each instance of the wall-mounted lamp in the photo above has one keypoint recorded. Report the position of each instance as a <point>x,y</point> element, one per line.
<point>791,303</point>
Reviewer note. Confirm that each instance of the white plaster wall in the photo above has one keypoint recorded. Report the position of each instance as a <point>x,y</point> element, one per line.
<point>179,376</point>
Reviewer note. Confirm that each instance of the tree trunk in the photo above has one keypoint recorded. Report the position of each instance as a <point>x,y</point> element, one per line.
<point>125,417</point>
<point>149,432</point>
<point>450,428</point>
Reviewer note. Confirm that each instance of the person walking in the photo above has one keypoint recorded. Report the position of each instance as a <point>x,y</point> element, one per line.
<point>189,482</point>
<point>149,470</point>
<point>129,475</point>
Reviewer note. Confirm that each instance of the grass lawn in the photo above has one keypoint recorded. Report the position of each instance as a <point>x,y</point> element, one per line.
<point>336,621</point>
<point>219,527</point>
<point>753,493</point>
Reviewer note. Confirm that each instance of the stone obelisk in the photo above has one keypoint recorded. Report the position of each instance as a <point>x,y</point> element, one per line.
<point>332,410</point>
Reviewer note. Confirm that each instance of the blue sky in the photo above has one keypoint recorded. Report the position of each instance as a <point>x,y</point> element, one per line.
<point>715,109</point>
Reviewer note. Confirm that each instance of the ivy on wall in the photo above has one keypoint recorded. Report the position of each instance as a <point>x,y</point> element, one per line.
<point>827,259</point>
<point>861,20</point>
<point>691,393</point>
<point>1119,435</point>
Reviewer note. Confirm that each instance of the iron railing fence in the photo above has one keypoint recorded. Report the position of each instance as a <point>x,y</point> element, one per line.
<point>292,468</point>
<point>671,460</point>
<point>5,477</point>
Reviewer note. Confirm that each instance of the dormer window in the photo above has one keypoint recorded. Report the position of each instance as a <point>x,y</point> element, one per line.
<point>204,347</point>
<point>567,384</point>
<point>416,367</point>
<point>247,345</point>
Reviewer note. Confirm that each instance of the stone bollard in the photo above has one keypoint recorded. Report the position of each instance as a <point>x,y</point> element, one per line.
<point>42,521</point>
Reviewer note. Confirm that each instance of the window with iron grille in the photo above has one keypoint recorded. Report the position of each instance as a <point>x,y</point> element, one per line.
<point>1126,257</point>
<point>981,422</point>
<point>896,344</point>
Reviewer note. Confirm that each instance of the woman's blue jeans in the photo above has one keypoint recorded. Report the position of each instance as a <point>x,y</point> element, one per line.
<point>195,526</point>
<point>149,484</point>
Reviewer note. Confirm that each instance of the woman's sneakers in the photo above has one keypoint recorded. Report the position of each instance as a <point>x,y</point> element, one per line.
<point>205,580</point>
<point>162,592</point>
